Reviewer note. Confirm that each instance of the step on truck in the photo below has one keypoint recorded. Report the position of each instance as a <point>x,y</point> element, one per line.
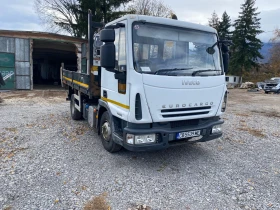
<point>150,83</point>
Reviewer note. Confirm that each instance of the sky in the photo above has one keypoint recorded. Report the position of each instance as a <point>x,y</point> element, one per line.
<point>21,15</point>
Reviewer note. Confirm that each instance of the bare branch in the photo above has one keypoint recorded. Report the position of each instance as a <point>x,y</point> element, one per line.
<point>150,7</point>
<point>57,15</point>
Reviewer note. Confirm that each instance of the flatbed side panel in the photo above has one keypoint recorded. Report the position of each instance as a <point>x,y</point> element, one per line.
<point>78,81</point>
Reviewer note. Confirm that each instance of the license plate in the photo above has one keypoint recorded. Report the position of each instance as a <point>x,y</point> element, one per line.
<point>188,134</point>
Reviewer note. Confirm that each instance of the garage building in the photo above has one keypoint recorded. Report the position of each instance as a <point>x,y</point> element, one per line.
<point>30,60</point>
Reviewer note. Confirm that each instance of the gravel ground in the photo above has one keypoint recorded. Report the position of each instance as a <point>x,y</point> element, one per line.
<point>48,161</point>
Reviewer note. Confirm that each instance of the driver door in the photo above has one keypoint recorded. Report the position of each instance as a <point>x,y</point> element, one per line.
<point>114,89</point>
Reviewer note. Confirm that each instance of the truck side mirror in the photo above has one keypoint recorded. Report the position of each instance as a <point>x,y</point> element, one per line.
<point>225,53</point>
<point>226,61</point>
<point>108,50</point>
<point>107,35</point>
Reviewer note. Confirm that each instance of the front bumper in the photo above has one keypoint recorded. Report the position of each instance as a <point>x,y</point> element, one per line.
<point>166,137</point>
<point>271,90</point>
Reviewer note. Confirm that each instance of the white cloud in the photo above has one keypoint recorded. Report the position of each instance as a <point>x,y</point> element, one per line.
<point>21,15</point>
<point>198,11</point>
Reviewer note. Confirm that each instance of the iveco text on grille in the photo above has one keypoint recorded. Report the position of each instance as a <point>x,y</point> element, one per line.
<point>184,82</point>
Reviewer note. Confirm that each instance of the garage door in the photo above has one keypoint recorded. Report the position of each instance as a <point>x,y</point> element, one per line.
<point>7,69</point>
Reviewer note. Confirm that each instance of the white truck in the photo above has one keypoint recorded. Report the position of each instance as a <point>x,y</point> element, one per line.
<point>154,82</point>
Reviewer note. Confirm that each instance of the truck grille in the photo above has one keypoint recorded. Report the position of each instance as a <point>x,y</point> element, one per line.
<point>168,113</point>
<point>271,85</point>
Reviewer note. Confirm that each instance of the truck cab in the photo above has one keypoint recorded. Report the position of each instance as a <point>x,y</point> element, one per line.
<point>167,83</point>
<point>162,83</point>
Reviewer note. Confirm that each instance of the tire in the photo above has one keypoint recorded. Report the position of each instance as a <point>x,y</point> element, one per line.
<point>278,91</point>
<point>75,114</point>
<point>106,134</point>
<point>265,92</point>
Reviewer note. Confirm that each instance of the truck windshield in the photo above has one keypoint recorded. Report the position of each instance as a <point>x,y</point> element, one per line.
<point>171,51</point>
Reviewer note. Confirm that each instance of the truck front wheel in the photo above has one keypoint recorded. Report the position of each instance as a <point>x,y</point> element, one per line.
<point>106,134</point>
<point>75,114</point>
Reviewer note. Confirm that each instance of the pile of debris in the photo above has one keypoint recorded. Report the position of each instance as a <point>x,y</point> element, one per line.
<point>247,85</point>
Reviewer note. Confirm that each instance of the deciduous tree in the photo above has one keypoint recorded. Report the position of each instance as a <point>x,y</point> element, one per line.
<point>70,16</point>
<point>150,7</point>
<point>275,53</point>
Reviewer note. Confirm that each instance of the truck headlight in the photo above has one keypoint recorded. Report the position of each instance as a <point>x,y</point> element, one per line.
<point>276,87</point>
<point>217,129</point>
<point>130,138</point>
<point>140,139</point>
<point>224,104</point>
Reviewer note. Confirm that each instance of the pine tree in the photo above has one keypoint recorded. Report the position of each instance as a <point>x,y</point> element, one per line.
<point>214,21</point>
<point>246,45</point>
<point>224,27</point>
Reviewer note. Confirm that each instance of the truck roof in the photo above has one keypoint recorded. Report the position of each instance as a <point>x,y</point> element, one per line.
<point>166,21</point>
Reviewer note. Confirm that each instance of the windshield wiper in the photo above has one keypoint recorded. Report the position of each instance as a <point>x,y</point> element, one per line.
<point>169,70</point>
<point>199,71</point>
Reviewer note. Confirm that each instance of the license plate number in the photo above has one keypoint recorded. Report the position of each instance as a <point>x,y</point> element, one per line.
<point>188,134</point>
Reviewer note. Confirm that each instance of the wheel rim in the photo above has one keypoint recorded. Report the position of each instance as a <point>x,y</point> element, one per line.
<point>106,131</point>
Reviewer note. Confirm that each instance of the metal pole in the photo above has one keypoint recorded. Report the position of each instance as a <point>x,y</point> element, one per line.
<point>90,41</point>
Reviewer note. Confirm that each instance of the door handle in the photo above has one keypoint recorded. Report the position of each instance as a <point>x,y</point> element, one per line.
<point>105,93</point>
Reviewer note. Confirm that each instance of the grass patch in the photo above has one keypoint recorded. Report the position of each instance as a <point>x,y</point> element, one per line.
<point>14,130</point>
<point>74,134</point>
<point>253,132</point>
<point>271,113</point>
<point>98,203</point>
<point>242,115</point>
<point>12,153</point>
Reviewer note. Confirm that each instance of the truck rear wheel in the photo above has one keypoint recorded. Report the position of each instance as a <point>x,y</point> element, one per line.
<point>106,134</point>
<point>75,113</point>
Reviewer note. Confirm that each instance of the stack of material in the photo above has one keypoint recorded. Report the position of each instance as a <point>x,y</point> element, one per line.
<point>247,85</point>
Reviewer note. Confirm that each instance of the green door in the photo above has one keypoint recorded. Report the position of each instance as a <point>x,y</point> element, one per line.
<point>7,69</point>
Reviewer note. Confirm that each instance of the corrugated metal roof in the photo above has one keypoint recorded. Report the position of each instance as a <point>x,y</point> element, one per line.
<point>40,35</point>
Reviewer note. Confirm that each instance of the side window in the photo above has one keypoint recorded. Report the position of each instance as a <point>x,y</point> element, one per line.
<point>234,79</point>
<point>117,40</point>
<point>136,47</point>
<point>153,51</point>
<point>122,50</point>
<point>145,55</point>
<point>227,79</point>
<point>168,49</point>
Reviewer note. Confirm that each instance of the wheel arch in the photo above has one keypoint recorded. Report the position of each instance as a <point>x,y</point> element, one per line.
<point>103,107</point>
